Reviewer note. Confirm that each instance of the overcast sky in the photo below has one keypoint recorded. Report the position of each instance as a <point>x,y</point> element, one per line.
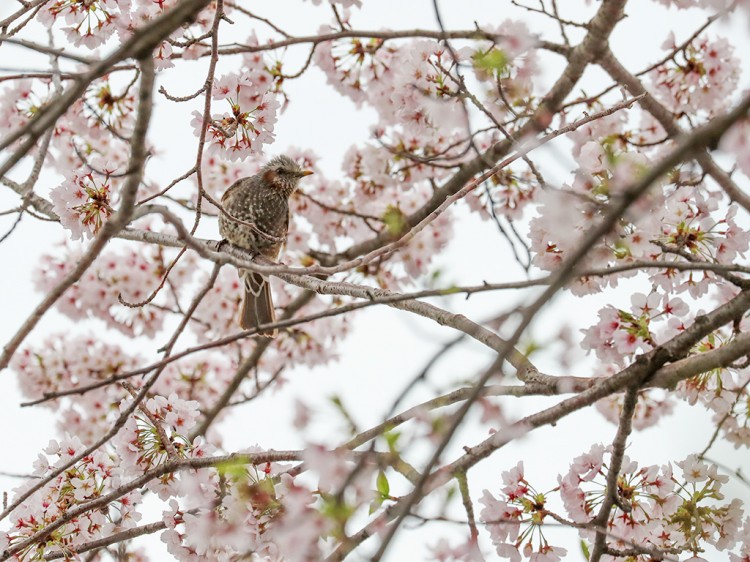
<point>387,347</point>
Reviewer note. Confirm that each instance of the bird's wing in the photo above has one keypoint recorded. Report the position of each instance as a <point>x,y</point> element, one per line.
<point>229,193</point>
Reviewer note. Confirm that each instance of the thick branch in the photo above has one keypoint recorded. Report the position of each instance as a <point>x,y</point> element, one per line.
<point>600,28</point>
<point>594,42</point>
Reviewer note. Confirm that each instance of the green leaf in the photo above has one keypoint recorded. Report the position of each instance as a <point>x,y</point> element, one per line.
<point>383,486</point>
<point>493,61</point>
<point>585,550</point>
<point>395,220</point>
<point>265,485</point>
<point>531,347</point>
<point>621,250</point>
<point>375,505</point>
<point>391,438</point>
<point>232,470</point>
<point>337,511</point>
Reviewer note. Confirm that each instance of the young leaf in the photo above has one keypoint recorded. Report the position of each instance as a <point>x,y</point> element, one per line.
<point>383,486</point>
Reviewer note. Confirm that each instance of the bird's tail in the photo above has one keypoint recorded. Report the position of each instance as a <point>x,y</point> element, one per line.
<point>257,306</point>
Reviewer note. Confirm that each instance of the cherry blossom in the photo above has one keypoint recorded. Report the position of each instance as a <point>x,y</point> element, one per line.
<point>126,275</point>
<point>253,108</point>
<point>508,66</point>
<point>661,507</point>
<point>539,128</point>
<point>87,23</point>
<point>83,204</point>
<point>518,517</point>
<point>352,67</point>
<point>86,480</point>
<point>700,79</point>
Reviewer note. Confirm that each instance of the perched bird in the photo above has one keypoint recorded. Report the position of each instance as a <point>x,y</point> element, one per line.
<point>259,221</point>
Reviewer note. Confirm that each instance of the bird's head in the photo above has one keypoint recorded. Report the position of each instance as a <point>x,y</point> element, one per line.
<point>284,173</point>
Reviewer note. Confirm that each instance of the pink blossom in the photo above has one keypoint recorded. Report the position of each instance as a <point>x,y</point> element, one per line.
<point>332,467</point>
<point>589,465</point>
<point>737,141</point>
<point>592,158</point>
<point>624,344</point>
<point>645,304</point>
<point>514,482</point>
<point>90,23</point>
<point>128,275</point>
<point>501,520</point>
<point>703,81</point>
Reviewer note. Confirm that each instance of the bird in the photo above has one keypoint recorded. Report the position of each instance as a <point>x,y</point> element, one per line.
<point>255,217</point>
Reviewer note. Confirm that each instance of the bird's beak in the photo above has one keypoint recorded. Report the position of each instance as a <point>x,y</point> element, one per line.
<point>304,173</point>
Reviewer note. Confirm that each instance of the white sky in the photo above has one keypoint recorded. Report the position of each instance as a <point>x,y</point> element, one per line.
<point>387,347</point>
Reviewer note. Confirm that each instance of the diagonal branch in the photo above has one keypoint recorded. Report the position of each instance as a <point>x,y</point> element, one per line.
<point>139,45</point>
<point>667,120</point>
<point>704,136</point>
<point>134,173</point>
<point>248,365</point>
<point>600,27</point>
<point>611,497</point>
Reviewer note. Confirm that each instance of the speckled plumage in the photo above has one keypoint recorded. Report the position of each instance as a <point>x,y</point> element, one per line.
<point>261,201</point>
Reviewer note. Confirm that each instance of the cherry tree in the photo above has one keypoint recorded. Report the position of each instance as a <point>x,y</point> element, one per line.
<point>146,358</point>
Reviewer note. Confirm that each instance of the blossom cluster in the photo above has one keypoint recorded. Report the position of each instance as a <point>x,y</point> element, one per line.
<point>248,124</point>
<point>64,363</point>
<point>266,510</point>
<point>71,479</point>
<point>117,275</point>
<point>261,510</point>
<point>656,509</point>
<point>620,334</point>
<point>723,391</point>
<point>91,23</point>
<point>427,97</point>
<point>83,203</point>
<point>675,217</point>
<point>700,79</point>
<point>87,480</point>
